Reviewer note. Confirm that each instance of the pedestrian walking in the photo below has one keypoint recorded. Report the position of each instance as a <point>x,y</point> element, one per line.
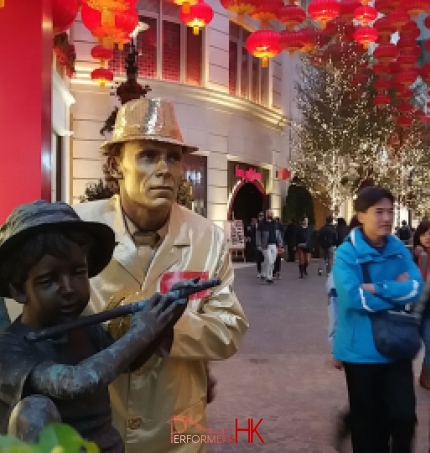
<point>269,238</point>
<point>327,239</point>
<point>303,244</point>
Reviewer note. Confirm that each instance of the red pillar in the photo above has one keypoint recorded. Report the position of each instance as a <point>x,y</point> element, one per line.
<point>25,103</point>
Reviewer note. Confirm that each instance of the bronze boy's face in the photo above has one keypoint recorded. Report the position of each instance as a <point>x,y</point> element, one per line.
<point>151,173</point>
<point>56,290</point>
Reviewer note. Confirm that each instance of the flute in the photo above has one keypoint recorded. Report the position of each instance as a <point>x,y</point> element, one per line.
<point>124,310</point>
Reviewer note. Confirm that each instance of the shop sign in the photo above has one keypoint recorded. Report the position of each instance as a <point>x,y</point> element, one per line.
<point>248,175</point>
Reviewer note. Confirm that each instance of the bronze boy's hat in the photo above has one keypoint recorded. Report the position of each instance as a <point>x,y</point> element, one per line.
<point>29,219</point>
<point>147,119</point>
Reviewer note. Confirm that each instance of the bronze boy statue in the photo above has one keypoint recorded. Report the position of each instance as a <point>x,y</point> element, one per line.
<point>47,255</point>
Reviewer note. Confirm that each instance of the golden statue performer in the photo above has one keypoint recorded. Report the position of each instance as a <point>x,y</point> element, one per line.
<point>159,243</point>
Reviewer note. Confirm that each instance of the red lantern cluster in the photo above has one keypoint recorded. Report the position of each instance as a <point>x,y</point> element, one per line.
<point>263,44</point>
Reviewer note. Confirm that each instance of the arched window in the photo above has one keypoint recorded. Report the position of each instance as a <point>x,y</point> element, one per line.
<point>247,79</point>
<point>168,50</point>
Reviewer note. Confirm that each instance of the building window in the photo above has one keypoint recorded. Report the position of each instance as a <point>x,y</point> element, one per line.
<point>168,50</point>
<point>247,78</point>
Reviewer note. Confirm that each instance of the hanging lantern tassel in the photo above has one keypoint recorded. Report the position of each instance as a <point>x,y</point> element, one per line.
<point>102,76</point>
<point>186,10</point>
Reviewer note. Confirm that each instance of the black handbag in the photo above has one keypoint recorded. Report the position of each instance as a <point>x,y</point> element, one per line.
<point>395,332</point>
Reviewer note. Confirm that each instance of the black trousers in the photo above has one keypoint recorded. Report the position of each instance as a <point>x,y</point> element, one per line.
<point>277,265</point>
<point>382,403</point>
<point>259,260</point>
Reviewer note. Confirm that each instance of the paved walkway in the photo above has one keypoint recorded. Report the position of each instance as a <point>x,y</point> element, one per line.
<point>282,372</point>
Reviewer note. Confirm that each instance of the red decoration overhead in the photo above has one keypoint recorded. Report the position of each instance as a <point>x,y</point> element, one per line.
<point>108,8</point>
<point>386,52</point>
<point>382,100</point>
<point>407,78</point>
<point>382,84</point>
<point>385,29</point>
<point>366,35</point>
<point>347,8</point>
<point>404,121</point>
<point>266,10</point>
<point>263,44</point>
<point>124,23</point>
<point>291,16</point>
<point>425,72</point>
<point>312,38</point>
<point>102,54</point>
<point>291,41</point>
<point>399,19</point>
<point>407,61</point>
<point>365,14</point>
<point>102,76</point>
<point>199,16</point>
<point>186,4</point>
<point>284,174</point>
<point>239,7</point>
<point>381,68</point>
<point>411,30</point>
<point>63,14</point>
<point>323,11</point>
<point>385,6</point>
<point>415,7</point>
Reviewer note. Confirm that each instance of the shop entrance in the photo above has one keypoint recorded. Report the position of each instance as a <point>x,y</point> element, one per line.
<point>248,199</point>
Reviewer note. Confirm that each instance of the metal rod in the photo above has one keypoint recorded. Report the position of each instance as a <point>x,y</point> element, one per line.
<point>124,310</point>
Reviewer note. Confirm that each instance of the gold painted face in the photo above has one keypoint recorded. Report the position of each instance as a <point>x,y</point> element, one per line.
<point>151,172</point>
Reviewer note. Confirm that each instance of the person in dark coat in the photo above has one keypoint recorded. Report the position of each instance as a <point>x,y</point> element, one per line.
<point>342,230</point>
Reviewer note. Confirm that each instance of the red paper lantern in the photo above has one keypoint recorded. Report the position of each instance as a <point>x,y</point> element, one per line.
<point>385,6</point>
<point>425,72</point>
<point>406,42</point>
<point>427,44</point>
<point>382,100</point>
<point>263,44</point>
<point>366,35</point>
<point>323,11</point>
<point>385,29</point>
<point>291,16</point>
<point>199,16</point>
<point>404,94</point>
<point>63,14</point>
<point>411,30</point>
<point>415,7</point>
<point>124,23</point>
<point>399,19</point>
<point>239,7</point>
<point>102,54</point>
<point>291,41</point>
<point>413,51</point>
<point>312,38</point>
<point>108,8</point>
<point>407,78</point>
<point>407,61</point>
<point>405,107</point>
<point>386,52</point>
<point>102,76</point>
<point>365,14</point>
<point>381,68</point>
<point>382,84</point>
<point>347,8</point>
<point>284,174</point>
<point>185,4</point>
<point>266,10</point>
<point>427,21</point>
<point>404,121</point>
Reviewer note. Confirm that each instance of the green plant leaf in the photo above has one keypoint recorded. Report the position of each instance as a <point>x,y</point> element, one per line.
<point>10,444</point>
<point>61,438</point>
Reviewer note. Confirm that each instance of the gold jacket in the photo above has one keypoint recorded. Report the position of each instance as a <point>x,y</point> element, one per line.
<point>143,402</point>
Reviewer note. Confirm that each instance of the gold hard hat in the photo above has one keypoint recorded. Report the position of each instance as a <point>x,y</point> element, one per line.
<point>147,119</point>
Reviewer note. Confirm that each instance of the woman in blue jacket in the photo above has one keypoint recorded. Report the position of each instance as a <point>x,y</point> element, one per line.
<point>381,391</point>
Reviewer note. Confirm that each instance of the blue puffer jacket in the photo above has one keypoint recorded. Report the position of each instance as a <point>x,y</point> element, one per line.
<point>353,339</point>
